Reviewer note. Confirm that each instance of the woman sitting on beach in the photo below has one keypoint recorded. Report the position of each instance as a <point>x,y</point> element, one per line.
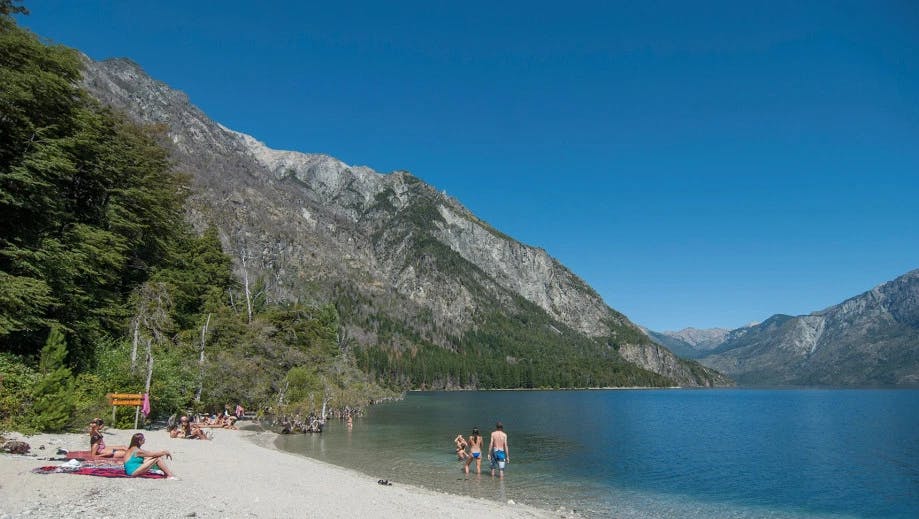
<point>460,447</point>
<point>97,448</point>
<point>190,431</point>
<point>138,461</point>
<point>475,451</point>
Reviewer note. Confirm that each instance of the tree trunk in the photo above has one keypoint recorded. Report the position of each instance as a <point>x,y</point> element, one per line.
<point>201,361</point>
<point>281,396</point>
<point>134,346</point>
<point>244,259</point>
<point>149,379</point>
<point>149,365</point>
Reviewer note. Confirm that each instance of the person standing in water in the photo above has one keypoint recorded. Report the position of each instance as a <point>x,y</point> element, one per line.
<point>460,447</point>
<point>498,452</point>
<point>475,451</point>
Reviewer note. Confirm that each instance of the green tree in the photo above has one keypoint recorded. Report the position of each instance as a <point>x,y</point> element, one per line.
<point>89,204</point>
<point>53,391</point>
<point>8,7</point>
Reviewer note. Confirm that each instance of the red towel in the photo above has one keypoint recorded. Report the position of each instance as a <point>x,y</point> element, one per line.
<point>105,472</point>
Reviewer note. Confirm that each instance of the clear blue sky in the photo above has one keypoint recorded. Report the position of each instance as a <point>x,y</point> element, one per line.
<point>698,163</point>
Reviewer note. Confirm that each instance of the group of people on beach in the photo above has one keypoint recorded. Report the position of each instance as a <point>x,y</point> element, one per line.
<point>471,450</point>
<point>193,429</point>
<point>186,429</point>
<point>136,460</point>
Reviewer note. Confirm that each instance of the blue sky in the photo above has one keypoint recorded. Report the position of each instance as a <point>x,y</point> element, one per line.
<point>699,164</point>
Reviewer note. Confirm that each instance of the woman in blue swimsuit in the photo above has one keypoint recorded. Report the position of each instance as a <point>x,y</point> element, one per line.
<point>138,461</point>
<point>475,451</point>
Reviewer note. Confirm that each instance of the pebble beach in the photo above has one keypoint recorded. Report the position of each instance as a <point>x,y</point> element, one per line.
<point>239,473</point>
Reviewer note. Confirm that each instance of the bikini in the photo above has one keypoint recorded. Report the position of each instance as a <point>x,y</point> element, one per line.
<point>477,454</point>
<point>100,443</point>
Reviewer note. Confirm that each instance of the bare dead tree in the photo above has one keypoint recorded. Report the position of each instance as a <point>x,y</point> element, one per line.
<point>201,360</point>
<point>244,257</point>
<point>136,323</point>
<point>232,301</point>
<point>149,365</point>
<point>281,395</point>
<point>153,304</point>
<point>343,339</point>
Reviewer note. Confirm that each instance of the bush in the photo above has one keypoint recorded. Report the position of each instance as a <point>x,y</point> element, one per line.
<point>16,382</point>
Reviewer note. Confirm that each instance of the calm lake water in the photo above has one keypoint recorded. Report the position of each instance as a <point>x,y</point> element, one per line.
<point>653,453</point>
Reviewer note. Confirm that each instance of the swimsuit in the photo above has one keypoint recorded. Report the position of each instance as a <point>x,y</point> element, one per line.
<point>133,463</point>
<point>498,458</point>
<point>100,442</point>
<point>476,455</point>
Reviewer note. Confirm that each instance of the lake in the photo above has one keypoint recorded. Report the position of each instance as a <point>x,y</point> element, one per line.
<point>737,453</point>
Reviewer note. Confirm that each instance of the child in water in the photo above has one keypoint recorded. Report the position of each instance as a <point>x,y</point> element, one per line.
<point>460,447</point>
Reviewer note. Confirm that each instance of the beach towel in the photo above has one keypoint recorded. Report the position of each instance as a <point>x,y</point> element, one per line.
<point>105,472</point>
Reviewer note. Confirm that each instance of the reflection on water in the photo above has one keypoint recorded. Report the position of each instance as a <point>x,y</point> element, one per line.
<point>664,453</point>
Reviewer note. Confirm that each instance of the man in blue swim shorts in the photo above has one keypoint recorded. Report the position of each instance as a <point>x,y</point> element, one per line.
<point>498,452</point>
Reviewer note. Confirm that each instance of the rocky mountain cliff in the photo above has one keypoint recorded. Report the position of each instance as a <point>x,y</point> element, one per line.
<point>869,340</point>
<point>414,264</point>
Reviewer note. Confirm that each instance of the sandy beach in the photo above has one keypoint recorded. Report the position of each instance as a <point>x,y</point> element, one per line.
<point>237,474</point>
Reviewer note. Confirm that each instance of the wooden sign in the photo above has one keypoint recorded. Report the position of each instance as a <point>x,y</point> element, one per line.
<point>125,399</point>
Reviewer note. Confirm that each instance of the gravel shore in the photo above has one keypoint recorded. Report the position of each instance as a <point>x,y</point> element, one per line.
<point>237,474</point>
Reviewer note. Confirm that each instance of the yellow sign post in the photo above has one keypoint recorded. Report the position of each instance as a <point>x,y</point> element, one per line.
<point>126,400</point>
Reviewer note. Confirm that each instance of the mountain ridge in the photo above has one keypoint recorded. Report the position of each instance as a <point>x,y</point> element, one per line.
<point>871,339</point>
<point>296,220</point>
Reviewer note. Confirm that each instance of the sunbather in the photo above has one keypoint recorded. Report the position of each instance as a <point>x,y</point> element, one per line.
<point>97,447</point>
<point>139,461</point>
<point>191,431</point>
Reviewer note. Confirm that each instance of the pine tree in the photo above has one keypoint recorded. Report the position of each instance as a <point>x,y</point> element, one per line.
<point>53,392</point>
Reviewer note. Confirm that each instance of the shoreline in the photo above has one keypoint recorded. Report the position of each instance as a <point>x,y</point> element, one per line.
<point>238,473</point>
<point>598,388</point>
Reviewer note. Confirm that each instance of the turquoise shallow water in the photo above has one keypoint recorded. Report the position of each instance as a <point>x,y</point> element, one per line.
<point>653,453</point>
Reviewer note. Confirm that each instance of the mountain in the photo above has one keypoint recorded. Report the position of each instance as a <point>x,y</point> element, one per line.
<point>408,265</point>
<point>869,340</point>
<point>690,343</point>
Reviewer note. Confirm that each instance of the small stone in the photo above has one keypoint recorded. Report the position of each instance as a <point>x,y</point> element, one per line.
<point>511,502</point>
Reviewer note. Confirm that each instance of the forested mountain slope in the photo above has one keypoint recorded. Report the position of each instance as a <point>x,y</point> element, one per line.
<point>429,295</point>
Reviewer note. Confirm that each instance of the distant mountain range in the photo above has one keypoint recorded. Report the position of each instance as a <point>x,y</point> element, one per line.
<point>690,343</point>
<point>869,340</point>
<point>412,265</point>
